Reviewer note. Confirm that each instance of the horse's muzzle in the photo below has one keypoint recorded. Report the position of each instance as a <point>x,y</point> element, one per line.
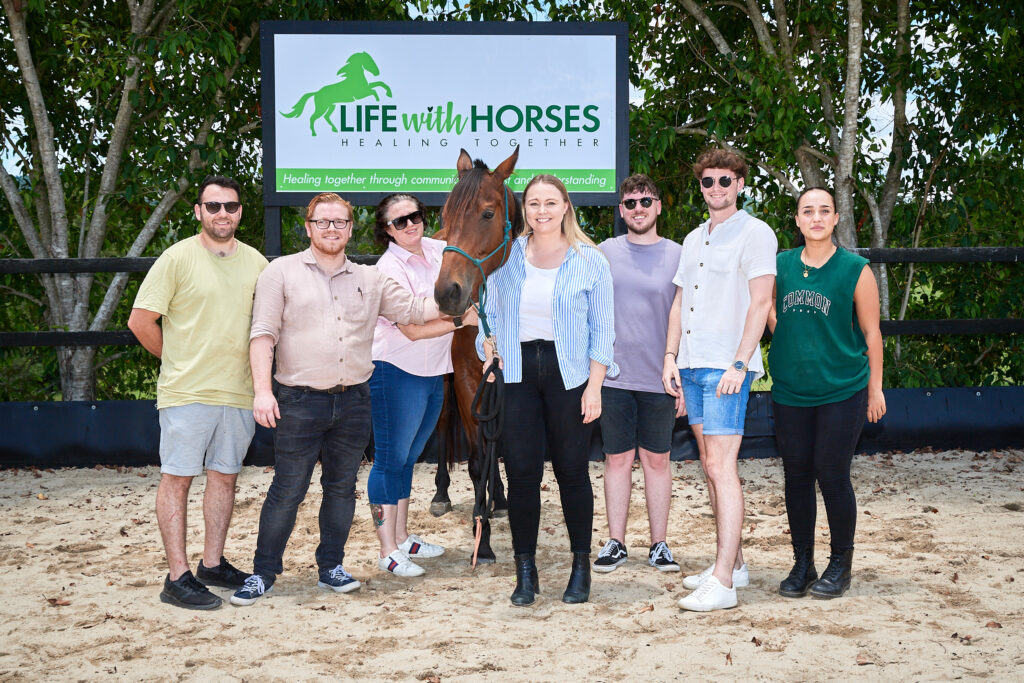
<point>452,298</point>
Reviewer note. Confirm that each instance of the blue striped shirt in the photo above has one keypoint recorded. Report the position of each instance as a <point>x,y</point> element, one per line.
<point>582,310</point>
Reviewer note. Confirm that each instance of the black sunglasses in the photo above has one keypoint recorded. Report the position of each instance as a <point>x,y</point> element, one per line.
<point>708,182</point>
<point>416,217</point>
<point>230,207</point>
<point>644,202</point>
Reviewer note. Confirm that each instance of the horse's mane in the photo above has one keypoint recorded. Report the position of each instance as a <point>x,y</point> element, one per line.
<point>468,186</point>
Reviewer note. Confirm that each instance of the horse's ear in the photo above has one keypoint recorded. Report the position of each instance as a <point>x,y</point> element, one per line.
<point>506,167</point>
<point>465,162</point>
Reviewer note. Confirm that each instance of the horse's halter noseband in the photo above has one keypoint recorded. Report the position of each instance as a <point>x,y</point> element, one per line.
<point>478,262</point>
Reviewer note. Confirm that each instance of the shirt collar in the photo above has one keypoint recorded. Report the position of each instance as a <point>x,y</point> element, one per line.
<point>740,214</point>
<point>431,248</point>
<point>308,258</point>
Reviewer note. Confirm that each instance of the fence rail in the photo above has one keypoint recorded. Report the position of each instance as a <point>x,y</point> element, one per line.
<point>889,327</point>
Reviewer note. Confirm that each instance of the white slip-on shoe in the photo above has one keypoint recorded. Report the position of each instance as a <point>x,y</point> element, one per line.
<point>399,564</point>
<point>710,596</point>
<point>740,577</point>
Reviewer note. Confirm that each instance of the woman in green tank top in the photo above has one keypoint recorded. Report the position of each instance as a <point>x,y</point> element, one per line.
<point>826,367</point>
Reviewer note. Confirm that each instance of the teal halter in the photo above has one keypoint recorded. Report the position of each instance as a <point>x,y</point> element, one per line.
<point>478,262</point>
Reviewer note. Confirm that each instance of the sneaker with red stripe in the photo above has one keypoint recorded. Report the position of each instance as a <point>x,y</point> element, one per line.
<point>414,546</point>
<point>399,564</point>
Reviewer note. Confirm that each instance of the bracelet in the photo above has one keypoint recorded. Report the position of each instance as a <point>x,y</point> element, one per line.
<point>674,354</point>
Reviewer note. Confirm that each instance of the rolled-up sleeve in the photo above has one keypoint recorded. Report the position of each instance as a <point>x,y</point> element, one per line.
<point>397,303</point>
<point>268,304</point>
<point>601,319</point>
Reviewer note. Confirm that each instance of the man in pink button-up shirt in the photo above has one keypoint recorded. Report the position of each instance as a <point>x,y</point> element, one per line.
<point>319,310</point>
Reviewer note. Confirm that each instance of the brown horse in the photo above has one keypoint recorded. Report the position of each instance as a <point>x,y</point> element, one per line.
<point>474,218</point>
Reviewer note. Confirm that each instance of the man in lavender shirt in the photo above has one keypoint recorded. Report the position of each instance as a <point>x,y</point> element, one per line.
<point>637,413</point>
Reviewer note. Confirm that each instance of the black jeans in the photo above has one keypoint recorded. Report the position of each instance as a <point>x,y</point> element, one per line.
<point>816,444</point>
<point>334,428</point>
<point>540,412</point>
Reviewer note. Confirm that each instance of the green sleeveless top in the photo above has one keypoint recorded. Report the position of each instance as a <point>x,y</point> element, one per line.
<point>818,354</point>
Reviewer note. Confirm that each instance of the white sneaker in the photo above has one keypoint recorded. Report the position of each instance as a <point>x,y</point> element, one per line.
<point>399,564</point>
<point>414,546</point>
<point>711,595</point>
<point>740,577</point>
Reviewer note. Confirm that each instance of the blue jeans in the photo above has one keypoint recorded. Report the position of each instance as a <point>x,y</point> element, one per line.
<point>334,428</point>
<point>405,412</point>
<point>726,414</point>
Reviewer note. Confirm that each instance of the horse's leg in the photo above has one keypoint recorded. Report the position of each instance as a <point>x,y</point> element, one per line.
<point>468,373</point>
<point>327,116</point>
<point>380,84</point>
<point>441,503</point>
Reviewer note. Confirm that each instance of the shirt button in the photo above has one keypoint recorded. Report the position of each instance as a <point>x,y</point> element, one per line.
<point>707,242</point>
<point>335,298</point>
<point>691,308</point>
<point>687,332</point>
<point>696,286</point>
<point>339,338</point>
<point>702,265</point>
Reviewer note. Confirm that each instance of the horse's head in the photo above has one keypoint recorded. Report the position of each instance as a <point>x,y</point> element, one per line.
<point>357,63</point>
<point>474,221</point>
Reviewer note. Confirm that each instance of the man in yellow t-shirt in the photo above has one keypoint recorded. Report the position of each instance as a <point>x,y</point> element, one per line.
<point>193,312</point>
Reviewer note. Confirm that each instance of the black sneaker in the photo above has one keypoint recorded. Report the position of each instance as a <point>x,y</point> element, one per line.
<point>611,556</point>
<point>187,592</point>
<point>223,575</point>
<point>660,558</point>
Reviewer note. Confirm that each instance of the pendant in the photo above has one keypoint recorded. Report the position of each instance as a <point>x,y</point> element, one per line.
<point>805,271</point>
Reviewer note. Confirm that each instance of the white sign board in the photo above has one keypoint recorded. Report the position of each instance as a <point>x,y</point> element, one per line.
<point>366,109</point>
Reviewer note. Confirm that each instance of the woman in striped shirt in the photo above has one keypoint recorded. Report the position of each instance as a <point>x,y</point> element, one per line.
<point>551,308</point>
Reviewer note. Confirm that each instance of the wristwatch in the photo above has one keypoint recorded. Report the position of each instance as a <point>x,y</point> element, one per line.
<point>458,322</point>
<point>739,365</point>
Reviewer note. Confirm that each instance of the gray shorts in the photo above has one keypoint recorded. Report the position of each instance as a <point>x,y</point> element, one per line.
<point>196,434</point>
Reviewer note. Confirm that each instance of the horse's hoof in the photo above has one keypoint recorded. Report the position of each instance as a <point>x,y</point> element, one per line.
<point>484,560</point>
<point>499,512</point>
<point>439,509</point>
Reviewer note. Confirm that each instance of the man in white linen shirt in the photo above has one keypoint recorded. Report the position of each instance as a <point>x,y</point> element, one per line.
<point>725,280</point>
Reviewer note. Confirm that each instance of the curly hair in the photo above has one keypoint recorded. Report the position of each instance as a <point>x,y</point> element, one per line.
<point>380,216</point>
<point>720,158</point>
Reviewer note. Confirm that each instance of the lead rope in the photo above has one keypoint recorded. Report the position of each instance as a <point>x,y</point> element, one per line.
<point>489,400</point>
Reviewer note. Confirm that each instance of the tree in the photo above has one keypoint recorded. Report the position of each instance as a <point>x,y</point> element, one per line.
<point>113,111</point>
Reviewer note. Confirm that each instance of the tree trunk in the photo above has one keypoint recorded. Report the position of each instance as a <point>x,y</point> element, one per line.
<point>77,375</point>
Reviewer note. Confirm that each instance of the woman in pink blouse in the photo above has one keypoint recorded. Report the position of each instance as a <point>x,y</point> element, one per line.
<point>406,388</point>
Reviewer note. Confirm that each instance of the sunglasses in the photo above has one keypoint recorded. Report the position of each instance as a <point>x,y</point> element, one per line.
<point>708,182</point>
<point>416,217</point>
<point>644,202</point>
<point>230,207</point>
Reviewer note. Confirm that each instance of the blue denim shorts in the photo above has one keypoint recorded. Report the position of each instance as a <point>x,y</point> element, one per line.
<point>636,418</point>
<point>719,416</point>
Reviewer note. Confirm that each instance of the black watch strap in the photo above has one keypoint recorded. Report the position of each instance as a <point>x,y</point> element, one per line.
<point>458,322</point>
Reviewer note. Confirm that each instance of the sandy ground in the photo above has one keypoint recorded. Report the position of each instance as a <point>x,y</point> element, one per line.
<point>936,595</point>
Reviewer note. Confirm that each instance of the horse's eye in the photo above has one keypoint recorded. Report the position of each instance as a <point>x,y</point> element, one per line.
<point>489,214</point>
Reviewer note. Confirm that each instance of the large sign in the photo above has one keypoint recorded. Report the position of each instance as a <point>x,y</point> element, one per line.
<point>369,108</point>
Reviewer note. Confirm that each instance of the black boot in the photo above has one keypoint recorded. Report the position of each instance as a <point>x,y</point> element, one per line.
<point>836,578</point>
<point>527,585</point>
<point>802,575</point>
<point>578,589</point>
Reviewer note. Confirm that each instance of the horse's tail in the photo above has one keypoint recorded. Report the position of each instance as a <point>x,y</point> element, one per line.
<point>299,106</point>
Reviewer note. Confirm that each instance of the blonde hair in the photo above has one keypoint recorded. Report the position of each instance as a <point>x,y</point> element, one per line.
<point>570,226</point>
<point>326,198</point>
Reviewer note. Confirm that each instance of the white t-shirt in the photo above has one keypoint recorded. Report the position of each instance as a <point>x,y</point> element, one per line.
<point>714,270</point>
<point>535,318</point>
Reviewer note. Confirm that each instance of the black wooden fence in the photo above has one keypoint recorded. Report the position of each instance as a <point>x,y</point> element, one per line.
<point>126,432</point>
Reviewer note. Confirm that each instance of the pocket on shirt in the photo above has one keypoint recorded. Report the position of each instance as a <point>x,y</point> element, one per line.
<point>724,260</point>
<point>355,308</point>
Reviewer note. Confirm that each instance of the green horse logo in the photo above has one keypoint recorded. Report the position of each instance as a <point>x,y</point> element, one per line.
<point>352,87</point>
